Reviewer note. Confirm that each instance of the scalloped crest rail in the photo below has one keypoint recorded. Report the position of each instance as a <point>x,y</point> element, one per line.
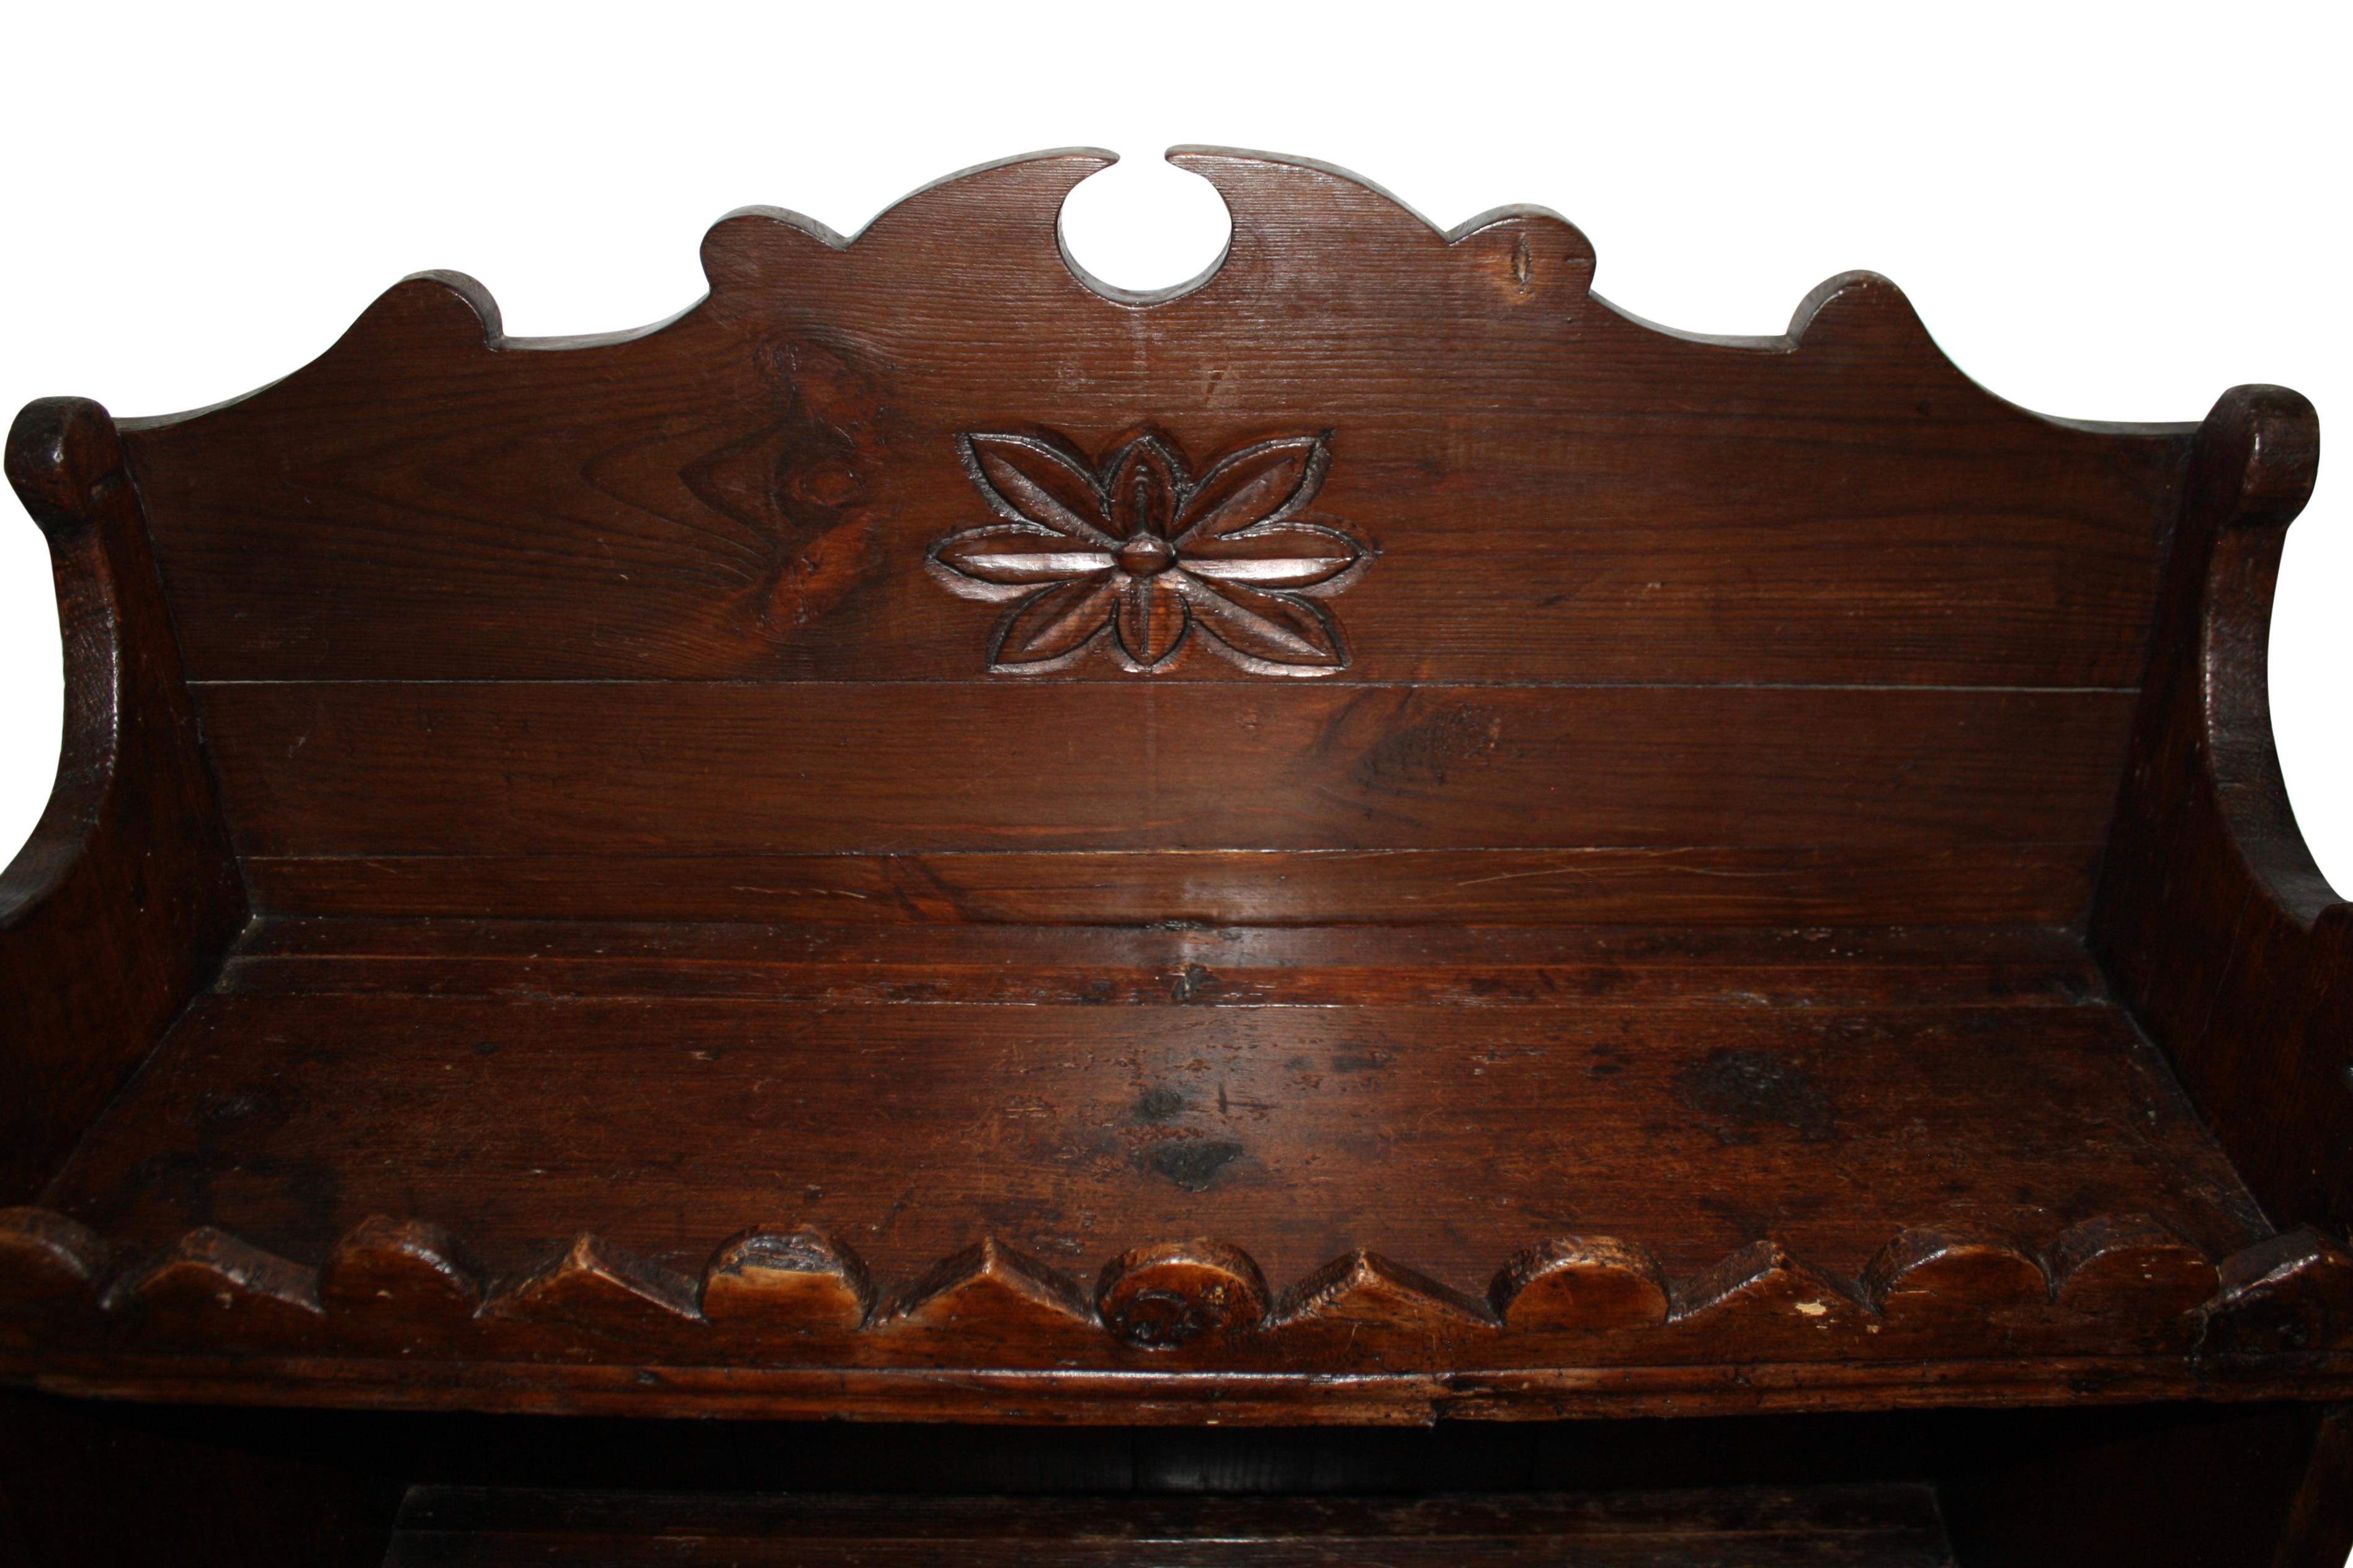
<point>1367,839</point>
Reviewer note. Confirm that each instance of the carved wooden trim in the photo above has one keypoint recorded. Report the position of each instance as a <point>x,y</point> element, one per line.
<point>2119,1284</point>
<point>1592,1284</point>
<point>1138,554</point>
<point>1175,1294</point>
<point>801,1281</point>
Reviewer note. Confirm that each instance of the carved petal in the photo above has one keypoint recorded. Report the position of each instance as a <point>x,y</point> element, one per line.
<point>1274,630</point>
<point>1586,1283</point>
<point>1939,1276</point>
<point>46,1259</point>
<point>1279,555</point>
<point>773,1282</point>
<point>1142,486</point>
<point>1152,618</point>
<point>1264,482</point>
<point>2291,1293</point>
<point>402,1274</point>
<point>213,1286</point>
<point>2128,1266</point>
<point>1025,480</point>
<point>1015,555</point>
<point>598,1286</point>
<point>1056,622</point>
<point>1175,1293</point>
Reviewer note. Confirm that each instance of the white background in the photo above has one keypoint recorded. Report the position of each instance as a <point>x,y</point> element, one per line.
<point>2101,212</point>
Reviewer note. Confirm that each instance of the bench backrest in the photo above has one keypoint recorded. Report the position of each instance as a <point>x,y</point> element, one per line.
<point>1383,576</point>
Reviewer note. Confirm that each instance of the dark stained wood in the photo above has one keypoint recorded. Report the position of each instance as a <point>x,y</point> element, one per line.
<point>2232,948</point>
<point>603,1289</point>
<point>211,1287</point>
<point>742,493</point>
<point>776,1283</point>
<point>115,909</point>
<point>408,1282</point>
<point>1174,1293</point>
<point>847,769</point>
<point>2129,1266</point>
<point>1453,1136</point>
<point>2288,1293</point>
<point>1891,1526</point>
<point>50,1260</point>
<point>1371,840</point>
<point>1180,965</point>
<point>1594,1284</point>
<point>1715,885</point>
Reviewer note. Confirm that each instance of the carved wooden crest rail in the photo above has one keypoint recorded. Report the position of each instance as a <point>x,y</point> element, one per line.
<point>774,864</point>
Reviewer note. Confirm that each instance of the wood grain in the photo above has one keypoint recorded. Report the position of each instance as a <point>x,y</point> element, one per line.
<point>1448,1137</point>
<point>117,908</point>
<point>1710,885</point>
<point>2235,950</point>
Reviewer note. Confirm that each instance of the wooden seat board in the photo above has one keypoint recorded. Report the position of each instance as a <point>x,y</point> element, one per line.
<point>1441,1136</point>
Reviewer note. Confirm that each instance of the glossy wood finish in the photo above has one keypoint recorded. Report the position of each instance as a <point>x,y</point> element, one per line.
<point>1807,628</point>
<point>2219,928</point>
<point>114,910</point>
<point>1369,840</point>
<point>1647,1155</point>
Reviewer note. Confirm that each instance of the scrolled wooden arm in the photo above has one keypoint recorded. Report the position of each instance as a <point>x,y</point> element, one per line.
<point>2211,918</point>
<point>128,890</point>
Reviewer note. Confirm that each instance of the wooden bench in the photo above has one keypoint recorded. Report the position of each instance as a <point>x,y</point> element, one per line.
<point>1370,839</point>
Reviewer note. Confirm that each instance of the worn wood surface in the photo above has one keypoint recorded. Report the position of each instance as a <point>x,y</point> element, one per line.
<point>2221,932</point>
<point>115,909</point>
<point>1205,1155</point>
<point>1799,629</point>
<point>1370,841</point>
<point>1888,1526</point>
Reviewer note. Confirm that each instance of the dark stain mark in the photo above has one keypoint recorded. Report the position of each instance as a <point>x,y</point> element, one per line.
<point>1361,1061</point>
<point>486,1048</point>
<point>1193,981</point>
<point>1737,1092</point>
<point>1193,1163</point>
<point>1423,753</point>
<point>1157,1103</point>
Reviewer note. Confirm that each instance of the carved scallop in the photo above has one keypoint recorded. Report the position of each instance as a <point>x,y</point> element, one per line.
<point>1176,1294</point>
<point>1591,1284</point>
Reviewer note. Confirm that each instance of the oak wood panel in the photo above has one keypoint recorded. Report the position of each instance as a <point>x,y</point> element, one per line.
<point>561,768</point>
<point>1556,491</point>
<point>1445,1137</point>
<point>1709,885</point>
<point>1885,1526</point>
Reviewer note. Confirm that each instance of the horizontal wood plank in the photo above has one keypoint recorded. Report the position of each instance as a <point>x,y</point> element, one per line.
<point>1224,967</point>
<point>1445,1137</point>
<point>1555,491</point>
<point>636,768</point>
<point>1819,884</point>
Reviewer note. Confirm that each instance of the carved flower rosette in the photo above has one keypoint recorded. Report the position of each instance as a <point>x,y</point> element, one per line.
<point>1139,556</point>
